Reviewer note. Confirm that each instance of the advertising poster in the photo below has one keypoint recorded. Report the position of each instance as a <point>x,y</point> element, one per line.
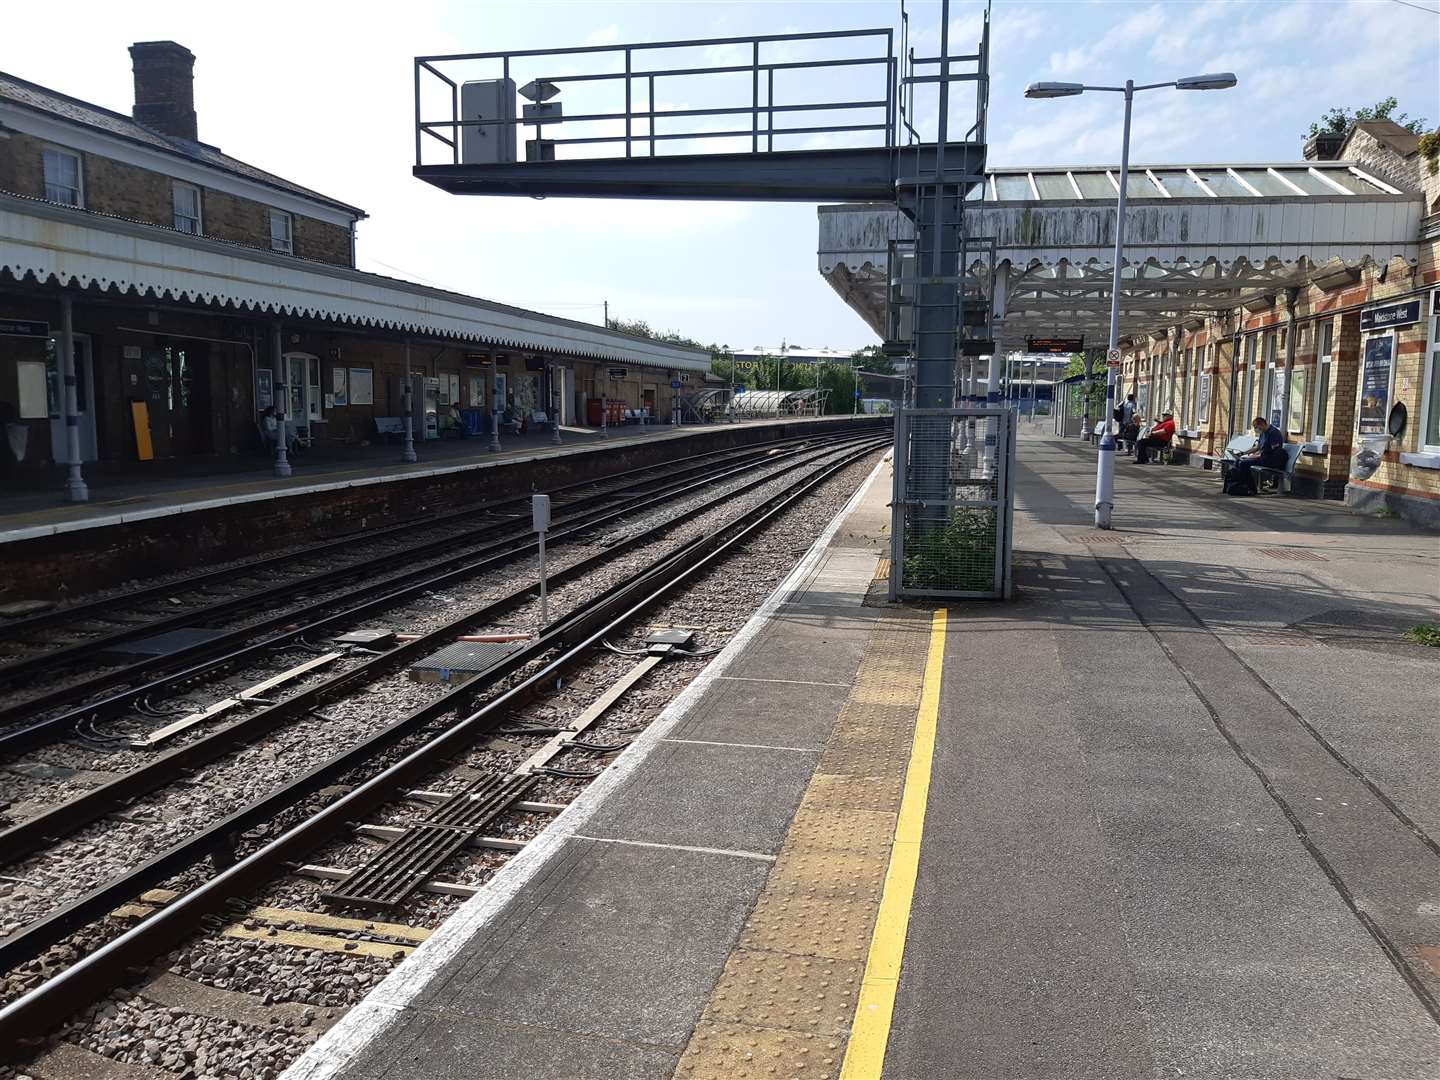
<point>1375,383</point>
<point>1299,387</point>
<point>1204,411</point>
<point>264,389</point>
<point>338,387</point>
<point>362,386</point>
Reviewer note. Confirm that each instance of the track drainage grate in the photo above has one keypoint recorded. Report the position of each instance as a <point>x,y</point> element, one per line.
<point>412,858</point>
<point>1100,538</point>
<point>1292,554</point>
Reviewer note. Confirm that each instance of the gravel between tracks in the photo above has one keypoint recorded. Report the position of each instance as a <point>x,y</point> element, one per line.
<point>717,604</point>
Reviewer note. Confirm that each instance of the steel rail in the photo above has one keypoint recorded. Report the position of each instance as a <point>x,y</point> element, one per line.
<point>33,834</point>
<point>95,608</point>
<point>46,1006</point>
<point>85,690</point>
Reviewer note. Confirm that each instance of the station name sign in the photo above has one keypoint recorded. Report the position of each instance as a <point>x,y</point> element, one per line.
<point>617,372</point>
<point>24,328</point>
<point>1381,318</point>
<point>1055,344</point>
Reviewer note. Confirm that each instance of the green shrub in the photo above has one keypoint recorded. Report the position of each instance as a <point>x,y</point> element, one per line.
<point>958,554</point>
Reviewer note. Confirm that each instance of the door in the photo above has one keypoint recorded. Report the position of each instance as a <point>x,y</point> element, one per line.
<point>305,406</point>
<point>84,396</point>
<point>177,394</point>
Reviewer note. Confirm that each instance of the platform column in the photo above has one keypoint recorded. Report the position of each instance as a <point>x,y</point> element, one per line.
<point>282,401</point>
<point>407,398</point>
<point>554,404</point>
<point>75,489</point>
<point>496,405</point>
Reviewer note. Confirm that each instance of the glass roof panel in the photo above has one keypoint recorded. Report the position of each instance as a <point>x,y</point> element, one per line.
<point>1222,183</point>
<point>1094,185</point>
<point>1138,185</point>
<point>1054,186</point>
<point>1311,185</point>
<point>1181,186</point>
<point>1013,187</point>
<point>1351,182</point>
<point>1264,182</point>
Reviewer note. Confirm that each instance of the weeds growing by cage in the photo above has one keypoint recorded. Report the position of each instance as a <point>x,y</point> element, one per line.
<point>957,555</point>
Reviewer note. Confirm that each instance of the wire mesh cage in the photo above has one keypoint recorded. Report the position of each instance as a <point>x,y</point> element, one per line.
<point>951,522</point>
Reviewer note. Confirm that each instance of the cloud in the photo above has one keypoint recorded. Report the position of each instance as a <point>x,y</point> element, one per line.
<point>1141,26</point>
<point>605,35</point>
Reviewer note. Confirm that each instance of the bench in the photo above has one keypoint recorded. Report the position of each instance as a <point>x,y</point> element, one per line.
<point>1281,477</point>
<point>637,416</point>
<point>388,427</point>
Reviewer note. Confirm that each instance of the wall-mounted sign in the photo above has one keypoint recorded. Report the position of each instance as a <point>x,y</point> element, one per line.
<point>1375,383</point>
<point>24,328</point>
<point>477,359</point>
<point>1055,344</point>
<point>1382,318</point>
<point>617,373</point>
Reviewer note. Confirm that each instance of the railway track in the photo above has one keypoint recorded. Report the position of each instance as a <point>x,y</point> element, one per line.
<point>169,765</point>
<point>87,699</point>
<point>428,736</point>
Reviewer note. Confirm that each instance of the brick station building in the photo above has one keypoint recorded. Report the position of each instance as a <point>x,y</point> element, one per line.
<point>205,289</point>
<point>1301,290</point>
<point>1359,340</point>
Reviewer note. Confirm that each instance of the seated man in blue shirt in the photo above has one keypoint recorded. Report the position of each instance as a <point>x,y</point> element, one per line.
<point>1269,453</point>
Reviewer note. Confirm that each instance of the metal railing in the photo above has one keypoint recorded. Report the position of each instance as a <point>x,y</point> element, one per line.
<point>641,134</point>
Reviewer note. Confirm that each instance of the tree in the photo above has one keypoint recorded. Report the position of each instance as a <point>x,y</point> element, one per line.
<point>1096,389</point>
<point>872,359</point>
<point>1339,121</point>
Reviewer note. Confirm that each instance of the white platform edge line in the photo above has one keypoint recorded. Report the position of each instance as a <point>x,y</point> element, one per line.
<point>368,1020</point>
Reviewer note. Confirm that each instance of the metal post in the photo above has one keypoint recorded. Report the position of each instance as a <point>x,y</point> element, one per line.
<point>604,411</point>
<point>1034,383</point>
<point>554,405</point>
<point>1087,362</point>
<point>407,455</point>
<point>75,489</point>
<point>1290,296</point>
<point>282,401</point>
<point>1105,461</point>
<point>540,522</point>
<point>495,404</point>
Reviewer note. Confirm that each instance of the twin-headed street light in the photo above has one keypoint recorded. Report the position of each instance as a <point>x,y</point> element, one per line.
<point>1105,460</point>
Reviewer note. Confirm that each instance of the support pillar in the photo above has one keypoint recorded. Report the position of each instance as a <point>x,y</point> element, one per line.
<point>75,489</point>
<point>554,405</point>
<point>1290,297</point>
<point>407,396</point>
<point>497,407</point>
<point>282,401</point>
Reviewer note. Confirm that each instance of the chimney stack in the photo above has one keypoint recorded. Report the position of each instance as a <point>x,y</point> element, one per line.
<point>165,88</point>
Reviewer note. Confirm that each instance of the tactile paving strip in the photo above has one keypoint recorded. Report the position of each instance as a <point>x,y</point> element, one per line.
<point>786,1000</point>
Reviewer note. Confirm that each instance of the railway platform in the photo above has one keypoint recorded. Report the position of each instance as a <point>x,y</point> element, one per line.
<point>138,491</point>
<point>1170,812</point>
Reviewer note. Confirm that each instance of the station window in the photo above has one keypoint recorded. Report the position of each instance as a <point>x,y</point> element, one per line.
<point>1325,341</point>
<point>1430,431</point>
<point>281,235</point>
<point>187,208</point>
<point>64,179</point>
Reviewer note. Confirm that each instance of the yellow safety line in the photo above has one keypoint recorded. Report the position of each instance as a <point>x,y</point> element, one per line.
<point>870,1030</point>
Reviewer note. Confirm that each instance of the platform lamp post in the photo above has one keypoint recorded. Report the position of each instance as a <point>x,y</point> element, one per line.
<point>281,399</point>
<point>1105,460</point>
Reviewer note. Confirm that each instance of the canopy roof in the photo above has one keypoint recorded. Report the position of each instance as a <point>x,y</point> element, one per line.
<point>1199,239</point>
<point>74,248</point>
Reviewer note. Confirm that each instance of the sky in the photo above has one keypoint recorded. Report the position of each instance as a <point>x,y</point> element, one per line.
<point>323,95</point>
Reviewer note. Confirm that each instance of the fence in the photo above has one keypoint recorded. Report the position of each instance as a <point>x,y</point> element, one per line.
<point>951,511</point>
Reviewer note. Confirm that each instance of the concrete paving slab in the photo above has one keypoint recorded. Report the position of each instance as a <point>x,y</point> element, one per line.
<point>729,796</point>
<point>621,942</point>
<point>767,711</point>
<point>454,1047</point>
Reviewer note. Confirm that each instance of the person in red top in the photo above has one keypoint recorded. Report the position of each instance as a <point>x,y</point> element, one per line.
<point>1160,435</point>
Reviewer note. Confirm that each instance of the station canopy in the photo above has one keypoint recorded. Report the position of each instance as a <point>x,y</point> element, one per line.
<point>1199,240</point>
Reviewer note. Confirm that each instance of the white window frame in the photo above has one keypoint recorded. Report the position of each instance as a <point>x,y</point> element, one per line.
<point>46,150</point>
<point>287,244</point>
<point>176,188</point>
<point>1430,384</point>
<point>1320,404</point>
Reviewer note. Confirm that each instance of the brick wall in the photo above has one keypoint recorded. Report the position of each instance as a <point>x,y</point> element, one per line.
<point>113,187</point>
